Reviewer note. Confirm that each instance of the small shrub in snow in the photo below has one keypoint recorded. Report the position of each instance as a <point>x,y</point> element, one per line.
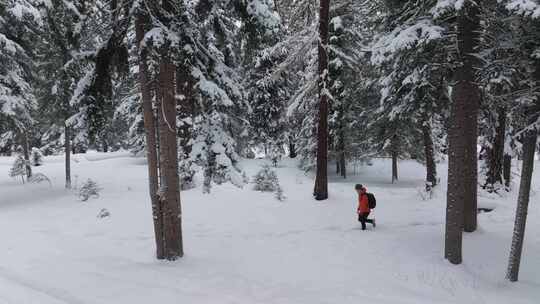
<point>103,213</point>
<point>186,174</point>
<point>89,189</point>
<point>18,168</point>
<point>36,157</point>
<point>37,178</point>
<point>265,180</point>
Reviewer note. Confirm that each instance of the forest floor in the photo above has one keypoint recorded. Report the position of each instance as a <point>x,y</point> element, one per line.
<point>246,247</point>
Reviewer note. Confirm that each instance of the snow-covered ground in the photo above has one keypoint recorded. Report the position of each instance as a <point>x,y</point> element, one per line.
<point>246,247</point>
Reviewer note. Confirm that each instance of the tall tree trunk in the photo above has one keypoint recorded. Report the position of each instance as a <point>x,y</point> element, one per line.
<point>395,177</point>
<point>343,164</point>
<point>507,170</point>
<point>496,153</point>
<point>169,188</point>
<point>292,148</point>
<point>341,146</point>
<point>529,145</point>
<point>461,207</point>
<point>26,154</point>
<point>394,151</point>
<point>431,167</point>
<point>469,31</point>
<point>150,134</point>
<point>67,150</point>
<point>321,180</point>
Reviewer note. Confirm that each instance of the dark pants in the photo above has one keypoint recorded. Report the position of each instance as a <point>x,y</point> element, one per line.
<point>363,218</point>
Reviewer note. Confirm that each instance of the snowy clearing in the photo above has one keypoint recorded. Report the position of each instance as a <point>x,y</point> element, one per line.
<point>244,246</point>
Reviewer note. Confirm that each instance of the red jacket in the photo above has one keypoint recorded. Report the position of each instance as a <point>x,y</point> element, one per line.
<point>363,203</point>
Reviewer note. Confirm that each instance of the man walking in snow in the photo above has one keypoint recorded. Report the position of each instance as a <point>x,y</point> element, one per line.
<point>363,206</point>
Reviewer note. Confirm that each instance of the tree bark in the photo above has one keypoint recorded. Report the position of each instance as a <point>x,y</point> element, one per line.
<point>529,145</point>
<point>169,189</point>
<point>496,153</point>
<point>394,167</point>
<point>67,150</point>
<point>431,167</point>
<point>507,170</point>
<point>469,24</point>
<point>169,193</point>
<point>461,207</point>
<point>150,134</point>
<point>26,154</point>
<point>341,146</point>
<point>395,154</point>
<point>292,148</point>
<point>321,180</point>
<point>343,165</point>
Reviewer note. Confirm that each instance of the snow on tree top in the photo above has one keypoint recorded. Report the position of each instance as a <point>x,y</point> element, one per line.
<point>528,8</point>
<point>403,38</point>
<point>263,11</point>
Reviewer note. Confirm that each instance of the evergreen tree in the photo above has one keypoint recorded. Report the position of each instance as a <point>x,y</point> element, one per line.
<point>412,89</point>
<point>526,44</point>
<point>18,22</point>
<point>61,56</point>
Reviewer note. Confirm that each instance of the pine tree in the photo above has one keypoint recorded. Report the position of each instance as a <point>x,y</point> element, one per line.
<point>529,147</point>
<point>412,89</point>
<point>526,47</point>
<point>60,57</point>
<point>321,179</point>
<point>462,136</point>
<point>18,23</point>
<point>141,26</point>
<point>345,59</point>
<point>210,90</point>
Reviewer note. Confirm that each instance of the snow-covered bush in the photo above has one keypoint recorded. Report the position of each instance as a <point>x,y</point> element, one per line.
<point>89,189</point>
<point>36,157</point>
<point>265,180</point>
<point>37,178</point>
<point>186,174</point>
<point>103,213</point>
<point>18,168</point>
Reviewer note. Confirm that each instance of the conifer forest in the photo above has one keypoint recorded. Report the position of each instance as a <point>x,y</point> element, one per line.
<point>269,151</point>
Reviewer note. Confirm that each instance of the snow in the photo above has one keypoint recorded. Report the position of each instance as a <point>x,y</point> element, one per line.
<point>244,246</point>
<point>263,11</point>
<point>23,9</point>
<point>404,38</point>
<point>524,7</point>
<point>211,89</point>
<point>8,46</point>
<point>444,6</point>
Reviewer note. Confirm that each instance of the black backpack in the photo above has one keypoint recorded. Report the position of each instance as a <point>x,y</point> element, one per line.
<point>372,202</point>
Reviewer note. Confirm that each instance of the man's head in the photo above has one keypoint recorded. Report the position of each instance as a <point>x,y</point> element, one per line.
<point>359,188</point>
